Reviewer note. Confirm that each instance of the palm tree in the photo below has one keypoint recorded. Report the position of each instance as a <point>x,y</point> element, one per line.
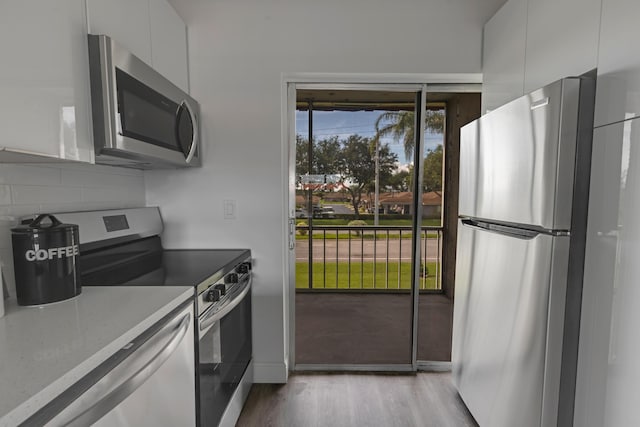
<point>400,126</point>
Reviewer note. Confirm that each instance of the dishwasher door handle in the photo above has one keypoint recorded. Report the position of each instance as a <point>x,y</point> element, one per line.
<point>92,411</point>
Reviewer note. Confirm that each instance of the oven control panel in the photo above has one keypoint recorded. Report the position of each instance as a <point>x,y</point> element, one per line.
<point>220,291</point>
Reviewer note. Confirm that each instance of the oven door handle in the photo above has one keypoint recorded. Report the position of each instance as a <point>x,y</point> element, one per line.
<point>210,317</point>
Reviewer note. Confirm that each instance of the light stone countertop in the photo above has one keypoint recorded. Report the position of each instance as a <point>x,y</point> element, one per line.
<point>44,350</point>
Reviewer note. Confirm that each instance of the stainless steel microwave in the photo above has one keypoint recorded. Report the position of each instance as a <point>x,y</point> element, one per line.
<point>140,119</point>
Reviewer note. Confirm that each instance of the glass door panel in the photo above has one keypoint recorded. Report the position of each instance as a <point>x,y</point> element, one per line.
<point>446,113</point>
<point>354,214</point>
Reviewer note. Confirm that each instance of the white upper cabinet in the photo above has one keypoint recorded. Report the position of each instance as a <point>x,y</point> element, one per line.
<point>44,77</point>
<point>618,92</point>
<point>503,55</point>
<point>169,43</point>
<point>125,21</point>
<point>44,81</point>
<point>562,40</point>
<point>150,29</point>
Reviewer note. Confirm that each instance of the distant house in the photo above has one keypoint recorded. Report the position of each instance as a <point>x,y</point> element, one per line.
<point>319,186</point>
<point>402,202</point>
<point>336,196</point>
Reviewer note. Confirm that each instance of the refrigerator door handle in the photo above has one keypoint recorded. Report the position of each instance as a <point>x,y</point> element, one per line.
<point>517,233</point>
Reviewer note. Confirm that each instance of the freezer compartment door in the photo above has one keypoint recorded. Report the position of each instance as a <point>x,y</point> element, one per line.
<point>517,162</point>
<point>507,326</point>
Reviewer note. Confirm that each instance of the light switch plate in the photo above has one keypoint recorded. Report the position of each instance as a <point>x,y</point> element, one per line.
<point>229,209</point>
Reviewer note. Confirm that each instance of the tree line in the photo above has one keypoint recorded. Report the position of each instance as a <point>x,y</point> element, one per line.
<point>353,159</point>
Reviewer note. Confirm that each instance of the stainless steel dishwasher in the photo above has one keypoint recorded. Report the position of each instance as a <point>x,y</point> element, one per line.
<point>149,382</point>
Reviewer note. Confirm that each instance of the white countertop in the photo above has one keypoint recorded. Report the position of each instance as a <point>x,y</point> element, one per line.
<point>44,350</point>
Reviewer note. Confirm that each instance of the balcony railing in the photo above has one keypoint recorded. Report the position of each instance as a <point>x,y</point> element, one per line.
<point>366,258</point>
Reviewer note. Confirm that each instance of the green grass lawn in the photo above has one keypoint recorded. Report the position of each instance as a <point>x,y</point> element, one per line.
<point>361,275</point>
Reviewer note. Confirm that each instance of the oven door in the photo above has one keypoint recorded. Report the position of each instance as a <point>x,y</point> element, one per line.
<point>224,353</point>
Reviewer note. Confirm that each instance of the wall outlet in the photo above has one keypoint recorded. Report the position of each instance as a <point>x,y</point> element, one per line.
<point>229,209</point>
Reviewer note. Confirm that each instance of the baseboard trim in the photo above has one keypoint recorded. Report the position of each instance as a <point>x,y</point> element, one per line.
<point>434,366</point>
<point>270,373</point>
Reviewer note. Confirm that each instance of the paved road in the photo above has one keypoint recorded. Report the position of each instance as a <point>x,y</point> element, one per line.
<point>341,209</point>
<point>396,248</point>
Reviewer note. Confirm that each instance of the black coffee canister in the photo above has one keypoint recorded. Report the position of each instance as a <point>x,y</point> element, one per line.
<point>45,257</point>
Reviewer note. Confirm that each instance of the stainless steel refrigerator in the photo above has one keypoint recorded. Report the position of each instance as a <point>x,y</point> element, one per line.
<point>524,186</point>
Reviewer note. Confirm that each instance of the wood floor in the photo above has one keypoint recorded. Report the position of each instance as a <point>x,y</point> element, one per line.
<point>344,400</point>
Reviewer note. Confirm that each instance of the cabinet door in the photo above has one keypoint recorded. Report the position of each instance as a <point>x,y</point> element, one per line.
<point>169,43</point>
<point>503,55</point>
<point>44,79</point>
<point>608,370</point>
<point>618,93</point>
<point>125,21</point>
<point>562,40</point>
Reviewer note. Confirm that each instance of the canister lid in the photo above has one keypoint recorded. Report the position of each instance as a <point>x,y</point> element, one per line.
<point>39,225</point>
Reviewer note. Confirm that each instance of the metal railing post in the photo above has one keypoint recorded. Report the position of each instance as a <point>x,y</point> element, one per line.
<point>337,259</point>
<point>375,255</point>
<point>362,259</point>
<point>400,260</point>
<point>324,258</point>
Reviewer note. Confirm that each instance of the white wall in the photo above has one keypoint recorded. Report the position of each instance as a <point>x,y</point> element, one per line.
<point>238,51</point>
<point>29,189</point>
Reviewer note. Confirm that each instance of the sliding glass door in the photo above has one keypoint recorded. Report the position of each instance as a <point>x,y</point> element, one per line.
<point>357,234</point>
<point>373,207</point>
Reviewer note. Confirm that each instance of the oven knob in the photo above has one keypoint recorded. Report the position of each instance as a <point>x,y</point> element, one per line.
<point>222,288</point>
<point>212,295</point>
<point>243,268</point>
<point>231,278</point>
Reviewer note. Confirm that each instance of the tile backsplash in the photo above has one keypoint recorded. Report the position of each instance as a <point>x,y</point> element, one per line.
<point>31,189</point>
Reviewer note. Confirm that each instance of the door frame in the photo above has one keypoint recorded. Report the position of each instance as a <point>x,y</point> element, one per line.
<point>289,83</point>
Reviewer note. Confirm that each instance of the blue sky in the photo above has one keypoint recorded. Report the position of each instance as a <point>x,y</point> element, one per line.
<point>345,123</point>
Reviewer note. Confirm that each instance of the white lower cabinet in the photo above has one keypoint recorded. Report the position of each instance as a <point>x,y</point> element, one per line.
<point>44,80</point>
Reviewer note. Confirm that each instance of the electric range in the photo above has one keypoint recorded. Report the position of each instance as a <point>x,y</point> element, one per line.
<point>123,248</point>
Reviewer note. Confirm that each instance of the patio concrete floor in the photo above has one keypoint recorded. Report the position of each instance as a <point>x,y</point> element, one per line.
<point>341,328</point>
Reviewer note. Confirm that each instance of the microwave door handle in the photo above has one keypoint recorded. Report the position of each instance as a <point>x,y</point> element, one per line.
<point>194,139</point>
<point>97,409</point>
